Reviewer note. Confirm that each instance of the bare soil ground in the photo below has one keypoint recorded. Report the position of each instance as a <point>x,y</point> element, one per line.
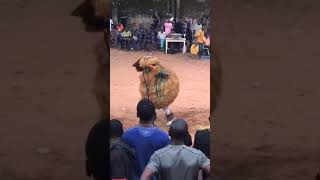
<point>192,103</point>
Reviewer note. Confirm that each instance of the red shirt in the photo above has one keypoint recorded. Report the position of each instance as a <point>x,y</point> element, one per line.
<point>119,27</point>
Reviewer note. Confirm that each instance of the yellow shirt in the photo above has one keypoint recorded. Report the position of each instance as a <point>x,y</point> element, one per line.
<point>126,34</point>
<point>200,36</point>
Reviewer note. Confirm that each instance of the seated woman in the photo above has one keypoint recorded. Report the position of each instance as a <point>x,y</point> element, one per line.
<point>200,41</point>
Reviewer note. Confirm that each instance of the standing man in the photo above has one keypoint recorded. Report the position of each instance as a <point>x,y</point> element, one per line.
<point>121,155</point>
<point>156,20</point>
<point>177,161</point>
<point>145,138</point>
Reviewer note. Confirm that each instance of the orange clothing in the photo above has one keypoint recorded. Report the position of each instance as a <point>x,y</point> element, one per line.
<point>200,38</point>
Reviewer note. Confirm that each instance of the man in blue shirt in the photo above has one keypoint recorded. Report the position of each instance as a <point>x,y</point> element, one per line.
<point>145,138</point>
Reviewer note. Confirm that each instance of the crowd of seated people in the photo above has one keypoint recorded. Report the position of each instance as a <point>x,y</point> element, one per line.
<point>134,38</point>
<point>147,152</point>
<point>139,37</point>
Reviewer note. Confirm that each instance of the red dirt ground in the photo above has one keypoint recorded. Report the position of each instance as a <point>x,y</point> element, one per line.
<point>192,103</point>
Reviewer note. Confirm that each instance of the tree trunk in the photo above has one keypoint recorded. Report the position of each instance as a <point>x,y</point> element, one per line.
<point>178,9</point>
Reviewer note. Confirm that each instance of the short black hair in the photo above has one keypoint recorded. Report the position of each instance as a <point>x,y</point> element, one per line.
<point>116,128</point>
<point>178,129</point>
<point>146,110</point>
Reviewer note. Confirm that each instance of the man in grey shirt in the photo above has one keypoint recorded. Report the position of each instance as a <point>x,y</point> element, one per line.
<point>177,161</point>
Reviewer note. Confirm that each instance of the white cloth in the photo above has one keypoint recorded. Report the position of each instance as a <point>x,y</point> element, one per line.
<point>162,35</point>
<point>111,23</point>
<point>198,27</point>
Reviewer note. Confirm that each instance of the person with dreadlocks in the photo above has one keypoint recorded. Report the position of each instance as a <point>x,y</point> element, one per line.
<point>158,84</point>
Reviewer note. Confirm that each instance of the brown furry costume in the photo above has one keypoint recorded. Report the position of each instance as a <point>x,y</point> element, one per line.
<point>157,83</point>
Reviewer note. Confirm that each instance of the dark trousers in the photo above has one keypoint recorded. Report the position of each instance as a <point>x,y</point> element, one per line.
<point>126,43</point>
<point>201,48</point>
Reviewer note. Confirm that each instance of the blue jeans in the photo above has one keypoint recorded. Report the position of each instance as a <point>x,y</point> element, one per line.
<point>201,47</point>
<point>162,43</point>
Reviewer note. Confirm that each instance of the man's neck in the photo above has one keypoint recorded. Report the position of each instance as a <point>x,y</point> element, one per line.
<point>148,125</point>
<point>175,142</point>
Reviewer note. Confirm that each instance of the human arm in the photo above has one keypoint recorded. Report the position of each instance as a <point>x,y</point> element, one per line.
<point>204,163</point>
<point>147,174</point>
<point>207,170</point>
<point>151,168</point>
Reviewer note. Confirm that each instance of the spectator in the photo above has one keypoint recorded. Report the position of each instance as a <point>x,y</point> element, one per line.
<point>162,38</point>
<point>200,41</point>
<point>96,151</point>
<point>198,27</point>
<point>127,38</point>
<point>119,27</point>
<point>156,20</point>
<point>135,39</point>
<point>154,37</point>
<point>184,27</point>
<point>148,40</point>
<point>193,26</point>
<point>202,143</point>
<point>189,37</point>
<point>178,27</point>
<point>141,34</point>
<point>121,155</point>
<point>168,27</point>
<point>145,138</point>
<point>177,161</point>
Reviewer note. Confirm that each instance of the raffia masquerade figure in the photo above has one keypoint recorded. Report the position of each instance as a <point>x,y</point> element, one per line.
<point>158,84</point>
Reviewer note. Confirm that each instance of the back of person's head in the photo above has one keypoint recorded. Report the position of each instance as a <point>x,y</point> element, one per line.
<point>146,111</point>
<point>116,128</point>
<point>178,129</point>
<point>96,147</point>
